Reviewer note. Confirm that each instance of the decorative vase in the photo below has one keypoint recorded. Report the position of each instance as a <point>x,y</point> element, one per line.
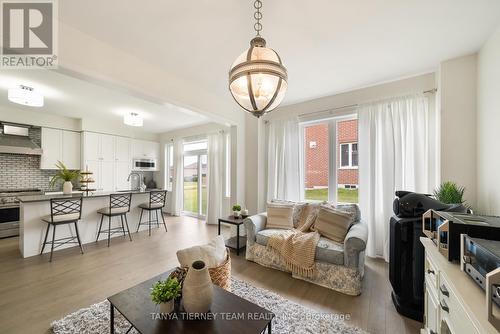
<point>236,214</point>
<point>167,307</point>
<point>244,213</point>
<point>67,188</point>
<point>197,290</point>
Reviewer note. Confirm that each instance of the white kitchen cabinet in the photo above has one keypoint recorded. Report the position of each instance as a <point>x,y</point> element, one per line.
<point>92,146</point>
<point>107,176</point>
<point>60,145</point>
<point>122,149</point>
<point>122,171</point>
<point>94,166</point>
<point>145,149</point>
<point>107,147</point>
<point>71,148</point>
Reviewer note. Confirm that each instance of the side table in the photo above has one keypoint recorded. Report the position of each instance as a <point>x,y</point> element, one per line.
<point>237,242</point>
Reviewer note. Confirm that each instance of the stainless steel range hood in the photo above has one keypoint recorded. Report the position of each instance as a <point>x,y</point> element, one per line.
<point>15,140</point>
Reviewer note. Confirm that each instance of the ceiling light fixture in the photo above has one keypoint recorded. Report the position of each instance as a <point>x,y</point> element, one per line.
<point>133,119</point>
<point>25,95</point>
<point>258,79</point>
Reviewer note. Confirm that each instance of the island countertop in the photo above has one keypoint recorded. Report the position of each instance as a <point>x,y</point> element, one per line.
<point>48,197</point>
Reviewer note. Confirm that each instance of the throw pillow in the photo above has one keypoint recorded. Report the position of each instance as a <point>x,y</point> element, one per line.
<point>351,208</point>
<point>213,253</point>
<point>279,216</point>
<point>310,215</point>
<point>333,224</point>
<point>298,209</point>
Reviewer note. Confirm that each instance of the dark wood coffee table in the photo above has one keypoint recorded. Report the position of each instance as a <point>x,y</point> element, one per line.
<point>229,313</point>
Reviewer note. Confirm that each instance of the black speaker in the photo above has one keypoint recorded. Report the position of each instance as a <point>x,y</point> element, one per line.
<point>406,266</point>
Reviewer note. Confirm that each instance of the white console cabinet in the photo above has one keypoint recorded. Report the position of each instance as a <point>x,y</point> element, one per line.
<point>453,302</point>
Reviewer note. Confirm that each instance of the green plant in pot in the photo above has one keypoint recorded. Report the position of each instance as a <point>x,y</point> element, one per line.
<point>164,293</point>
<point>66,176</point>
<point>236,210</point>
<point>450,193</point>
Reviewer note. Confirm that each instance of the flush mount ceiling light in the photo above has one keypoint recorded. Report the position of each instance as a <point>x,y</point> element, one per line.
<point>258,79</point>
<point>25,95</point>
<point>133,119</point>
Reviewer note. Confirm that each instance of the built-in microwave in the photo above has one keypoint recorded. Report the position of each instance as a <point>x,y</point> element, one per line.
<point>144,164</point>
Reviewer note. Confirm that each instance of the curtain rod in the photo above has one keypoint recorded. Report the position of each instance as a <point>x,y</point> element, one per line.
<point>430,91</point>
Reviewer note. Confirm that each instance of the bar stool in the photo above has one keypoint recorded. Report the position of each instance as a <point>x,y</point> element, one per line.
<point>63,211</point>
<point>119,205</point>
<point>156,203</point>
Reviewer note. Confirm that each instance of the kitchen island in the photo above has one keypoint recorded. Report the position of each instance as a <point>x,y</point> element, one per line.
<point>33,208</point>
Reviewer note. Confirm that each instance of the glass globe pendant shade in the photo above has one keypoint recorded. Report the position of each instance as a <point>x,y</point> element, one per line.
<point>258,79</point>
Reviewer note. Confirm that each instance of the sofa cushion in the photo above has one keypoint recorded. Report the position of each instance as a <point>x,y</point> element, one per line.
<point>298,209</point>
<point>327,250</point>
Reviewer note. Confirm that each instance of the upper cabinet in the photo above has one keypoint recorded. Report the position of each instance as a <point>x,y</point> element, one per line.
<point>98,146</point>
<point>145,149</point>
<point>60,145</point>
<point>122,149</point>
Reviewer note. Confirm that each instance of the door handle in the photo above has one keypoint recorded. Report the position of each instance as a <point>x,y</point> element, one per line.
<point>444,306</point>
<point>444,291</point>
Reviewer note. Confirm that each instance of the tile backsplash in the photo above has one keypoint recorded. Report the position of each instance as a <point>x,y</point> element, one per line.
<point>23,171</point>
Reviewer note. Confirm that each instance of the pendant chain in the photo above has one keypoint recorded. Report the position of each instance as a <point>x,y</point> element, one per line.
<point>257,16</point>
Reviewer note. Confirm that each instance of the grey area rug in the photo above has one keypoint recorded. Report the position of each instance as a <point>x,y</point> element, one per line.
<point>290,317</point>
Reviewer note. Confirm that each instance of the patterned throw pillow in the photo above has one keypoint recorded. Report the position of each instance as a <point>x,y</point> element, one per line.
<point>279,216</point>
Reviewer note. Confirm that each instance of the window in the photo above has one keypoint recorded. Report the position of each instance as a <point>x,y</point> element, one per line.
<point>349,155</point>
<point>169,163</point>
<point>195,145</point>
<point>227,157</point>
<point>330,160</point>
<point>195,178</point>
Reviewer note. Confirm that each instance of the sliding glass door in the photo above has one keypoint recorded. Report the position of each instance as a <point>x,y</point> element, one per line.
<point>195,178</point>
<point>331,160</point>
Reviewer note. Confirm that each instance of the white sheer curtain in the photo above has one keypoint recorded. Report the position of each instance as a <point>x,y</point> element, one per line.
<point>394,149</point>
<point>177,184</point>
<point>215,175</point>
<point>283,169</point>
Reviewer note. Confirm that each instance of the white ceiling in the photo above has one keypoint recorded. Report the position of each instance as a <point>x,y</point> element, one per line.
<point>328,46</point>
<point>72,97</point>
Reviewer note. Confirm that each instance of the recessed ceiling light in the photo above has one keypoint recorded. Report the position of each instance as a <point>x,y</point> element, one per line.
<point>133,119</point>
<point>25,95</point>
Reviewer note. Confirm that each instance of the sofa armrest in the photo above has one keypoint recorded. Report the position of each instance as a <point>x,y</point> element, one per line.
<point>253,225</point>
<point>354,244</point>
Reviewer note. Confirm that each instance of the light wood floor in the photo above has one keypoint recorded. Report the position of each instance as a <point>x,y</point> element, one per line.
<point>34,292</point>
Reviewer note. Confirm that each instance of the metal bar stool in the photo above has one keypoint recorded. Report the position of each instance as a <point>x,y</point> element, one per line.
<point>156,203</point>
<point>63,211</point>
<point>119,205</point>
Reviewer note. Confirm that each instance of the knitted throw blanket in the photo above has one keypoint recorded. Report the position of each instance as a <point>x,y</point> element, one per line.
<point>297,249</point>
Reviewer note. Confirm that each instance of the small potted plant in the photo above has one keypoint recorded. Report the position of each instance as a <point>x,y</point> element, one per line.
<point>65,175</point>
<point>236,210</point>
<point>164,293</point>
<point>450,193</point>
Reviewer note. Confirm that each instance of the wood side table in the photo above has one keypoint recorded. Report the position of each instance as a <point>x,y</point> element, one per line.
<point>237,242</point>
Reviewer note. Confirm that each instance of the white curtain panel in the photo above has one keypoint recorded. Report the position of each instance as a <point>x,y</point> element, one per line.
<point>394,155</point>
<point>284,160</point>
<point>177,183</point>
<point>215,175</point>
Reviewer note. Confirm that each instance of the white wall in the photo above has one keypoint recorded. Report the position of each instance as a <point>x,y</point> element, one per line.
<point>257,156</point>
<point>457,103</point>
<point>488,126</point>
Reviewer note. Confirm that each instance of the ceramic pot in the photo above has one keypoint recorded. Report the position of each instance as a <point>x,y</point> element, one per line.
<point>236,214</point>
<point>167,307</point>
<point>197,289</point>
<point>67,188</point>
<point>244,213</point>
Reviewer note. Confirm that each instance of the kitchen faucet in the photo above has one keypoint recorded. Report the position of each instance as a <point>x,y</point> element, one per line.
<point>142,186</point>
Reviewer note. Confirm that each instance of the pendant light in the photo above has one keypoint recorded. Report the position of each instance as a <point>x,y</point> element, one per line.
<point>133,119</point>
<point>258,79</point>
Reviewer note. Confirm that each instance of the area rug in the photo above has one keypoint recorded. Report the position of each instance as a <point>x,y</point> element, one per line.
<point>290,317</point>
